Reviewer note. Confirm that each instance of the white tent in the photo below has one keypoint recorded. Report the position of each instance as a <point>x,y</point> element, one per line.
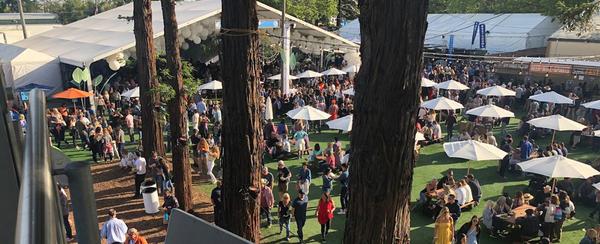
<point>473,150</point>
<point>496,91</point>
<point>213,85</point>
<point>451,85</point>
<point>551,97</point>
<point>556,122</point>
<point>441,103</point>
<point>558,166</point>
<point>309,74</point>
<point>278,77</point>
<point>307,113</point>
<point>24,66</point>
<point>343,123</point>
<point>491,111</point>
<point>592,105</point>
<point>507,32</point>
<point>427,82</point>
<point>333,71</point>
<point>135,92</point>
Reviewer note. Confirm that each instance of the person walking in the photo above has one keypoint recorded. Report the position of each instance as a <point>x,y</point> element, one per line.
<point>217,201</point>
<point>169,203</point>
<point>120,140</point>
<point>344,179</point>
<point>304,178</point>
<point>130,126</point>
<point>266,201</point>
<point>213,154</point>
<point>283,175</point>
<point>133,237</point>
<point>284,213</point>
<point>299,206</point>
<point>156,171</point>
<point>114,230</point>
<point>324,213</point>
<point>139,165</point>
<point>64,206</point>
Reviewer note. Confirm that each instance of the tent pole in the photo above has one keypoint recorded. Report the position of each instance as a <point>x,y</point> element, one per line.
<point>553,134</point>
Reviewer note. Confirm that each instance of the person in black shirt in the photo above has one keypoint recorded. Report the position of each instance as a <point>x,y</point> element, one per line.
<point>283,176</point>
<point>217,201</point>
<point>444,180</point>
<point>265,174</point>
<point>505,162</point>
<point>450,122</point>
<point>528,227</point>
<point>344,180</point>
<point>475,187</point>
<point>300,205</point>
<point>452,205</point>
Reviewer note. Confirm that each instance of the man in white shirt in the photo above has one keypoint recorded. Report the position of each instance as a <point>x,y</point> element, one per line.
<point>114,230</point>
<point>195,119</point>
<point>139,165</point>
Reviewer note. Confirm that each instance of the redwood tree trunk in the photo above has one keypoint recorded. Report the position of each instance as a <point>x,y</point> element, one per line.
<point>241,118</point>
<point>392,33</point>
<point>181,167</point>
<point>152,137</point>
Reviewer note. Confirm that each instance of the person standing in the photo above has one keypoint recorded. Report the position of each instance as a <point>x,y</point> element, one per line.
<point>130,126</point>
<point>133,237</point>
<point>266,201</point>
<point>169,203</point>
<point>450,122</point>
<point>156,171</point>
<point>526,148</point>
<point>64,206</point>
<point>304,178</point>
<point>300,205</point>
<point>265,174</point>
<point>444,226</point>
<point>114,230</point>
<point>469,232</point>
<point>139,165</point>
<point>324,213</point>
<point>120,140</point>
<point>505,162</point>
<point>217,201</point>
<point>284,213</point>
<point>344,180</point>
<point>213,154</point>
<point>283,175</point>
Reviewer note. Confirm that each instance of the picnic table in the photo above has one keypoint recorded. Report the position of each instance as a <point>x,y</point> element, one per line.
<point>516,213</point>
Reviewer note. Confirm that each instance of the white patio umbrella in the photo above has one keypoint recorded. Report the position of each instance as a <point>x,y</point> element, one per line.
<point>592,105</point>
<point>343,123</point>
<point>427,82</point>
<point>451,85</point>
<point>558,167</point>
<point>491,111</point>
<point>213,85</point>
<point>351,68</point>
<point>309,74</point>
<point>473,151</point>
<point>349,91</point>
<point>278,77</point>
<point>496,91</point>
<point>135,92</point>
<point>551,97</point>
<point>268,109</point>
<point>333,71</point>
<point>597,133</point>
<point>308,113</point>
<point>442,103</point>
<point>556,123</point>
<point>596,185</point>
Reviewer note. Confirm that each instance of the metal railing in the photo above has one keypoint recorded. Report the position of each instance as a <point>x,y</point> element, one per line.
<point>38,219</point>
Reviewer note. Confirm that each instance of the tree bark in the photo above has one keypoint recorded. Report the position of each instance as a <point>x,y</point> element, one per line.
<point>152,137</point>
<point>181,167</point>
<point>242,134</point>
<point>392,34</point>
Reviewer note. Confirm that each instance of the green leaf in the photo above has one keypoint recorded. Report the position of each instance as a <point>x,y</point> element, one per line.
<point>98,80</point>
<point>77,75</point>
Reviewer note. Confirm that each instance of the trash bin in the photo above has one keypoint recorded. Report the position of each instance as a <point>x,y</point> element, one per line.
<point>147,183</point>
<point>151,203</point>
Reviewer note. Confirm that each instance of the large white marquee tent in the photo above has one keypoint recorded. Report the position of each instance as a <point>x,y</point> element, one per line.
<point>507,32</point>
<point>109,33</point>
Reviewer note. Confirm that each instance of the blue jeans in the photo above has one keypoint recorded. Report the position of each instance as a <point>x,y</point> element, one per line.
<point>300,224</point>
<point>159,179</point>
<point>285,222</point>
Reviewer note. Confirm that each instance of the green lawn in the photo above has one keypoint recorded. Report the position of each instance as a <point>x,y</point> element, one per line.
<point>432,163</point>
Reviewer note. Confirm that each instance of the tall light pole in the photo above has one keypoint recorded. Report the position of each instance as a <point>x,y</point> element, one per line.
<point>23,25</point>
<point>285,45</point>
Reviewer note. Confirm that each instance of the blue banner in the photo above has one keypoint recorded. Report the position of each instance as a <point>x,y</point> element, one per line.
<point>451,44</point>
<point>475,27</point>
<point>482,41</point>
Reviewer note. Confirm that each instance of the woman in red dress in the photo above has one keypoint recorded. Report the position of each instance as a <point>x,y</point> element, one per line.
<point>333,110</point>
<point>325,213</point>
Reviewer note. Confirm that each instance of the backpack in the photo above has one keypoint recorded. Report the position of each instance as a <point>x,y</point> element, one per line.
<point>558,214</point>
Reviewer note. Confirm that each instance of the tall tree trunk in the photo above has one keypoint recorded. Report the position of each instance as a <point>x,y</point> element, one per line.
<point>241,118</point>
<point>177,112</point>
<point>392,33</point>
<point>152,137</point>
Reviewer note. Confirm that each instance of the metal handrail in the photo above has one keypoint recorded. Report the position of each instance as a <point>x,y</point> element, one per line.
<point>38,219</point>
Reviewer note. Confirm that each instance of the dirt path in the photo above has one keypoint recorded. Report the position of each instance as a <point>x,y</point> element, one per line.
<point>114,188</point>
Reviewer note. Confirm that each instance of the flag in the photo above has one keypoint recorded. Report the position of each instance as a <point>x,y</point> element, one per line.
<point>475,27</point>
<point>482,41</point>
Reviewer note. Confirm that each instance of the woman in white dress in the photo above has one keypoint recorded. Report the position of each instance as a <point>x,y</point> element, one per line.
<point>213,154</point>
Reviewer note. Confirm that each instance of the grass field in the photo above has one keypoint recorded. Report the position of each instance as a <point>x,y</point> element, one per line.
<point>432,163</point>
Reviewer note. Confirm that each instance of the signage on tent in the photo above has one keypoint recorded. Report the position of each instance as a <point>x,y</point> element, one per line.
<point>475,28</point>
<point>482,41</point>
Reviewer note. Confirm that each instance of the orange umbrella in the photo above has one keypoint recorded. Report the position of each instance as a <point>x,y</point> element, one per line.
<point>72,93</point>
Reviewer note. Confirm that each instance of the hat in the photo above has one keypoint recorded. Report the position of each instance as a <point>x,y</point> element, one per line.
<point>527,197</point>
